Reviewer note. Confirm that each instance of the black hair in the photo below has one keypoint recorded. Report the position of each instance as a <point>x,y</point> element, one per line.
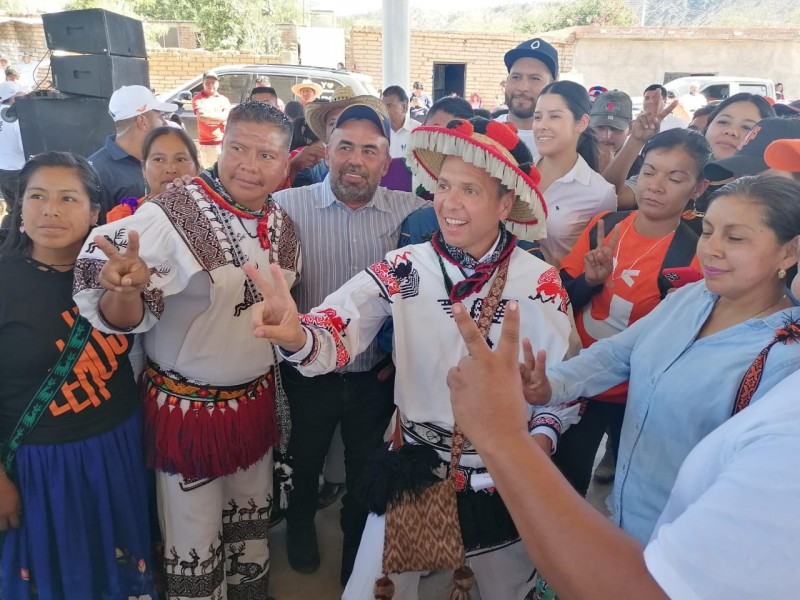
<point>659,87</point>
<point>764,108</point>
<point>777,196</point>
<point>577,100</point>
<point>17,244</point>
<point>458,107</point>
<point>293,109</point>
<point>704,110</point>
<point>263,89</point>
<point>260,112</point>
<point>692,142</point>
<point>396,90</point>
<point>482,112</point>
<point>302,134</point>
<point>158,132</point>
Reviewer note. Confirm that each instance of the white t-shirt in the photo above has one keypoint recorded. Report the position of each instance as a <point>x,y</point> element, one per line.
<point>398,140</point>
<point>672,122</point>
<point>526,135</point>
<point>12,157</point>
<point>27,81</point>
<point>692,102</point>
<point>731,527</point>
<point>571,202</point>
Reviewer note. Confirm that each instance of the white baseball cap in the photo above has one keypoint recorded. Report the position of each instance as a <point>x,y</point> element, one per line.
<point>133,100</point>
<point>8,89</point>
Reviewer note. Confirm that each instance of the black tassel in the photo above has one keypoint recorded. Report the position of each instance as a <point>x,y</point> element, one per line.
<point>390,474</point>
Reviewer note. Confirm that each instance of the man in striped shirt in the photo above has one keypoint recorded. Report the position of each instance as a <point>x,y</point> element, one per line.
<point>346,223</point>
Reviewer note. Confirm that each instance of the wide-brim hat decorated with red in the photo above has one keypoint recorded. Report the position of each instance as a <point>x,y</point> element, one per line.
<point>494,147</point>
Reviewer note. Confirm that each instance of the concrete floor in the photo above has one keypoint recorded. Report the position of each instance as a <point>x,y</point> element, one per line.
<point>287,584</point>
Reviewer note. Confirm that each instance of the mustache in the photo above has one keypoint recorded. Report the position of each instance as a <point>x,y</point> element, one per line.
<point>354,171</point>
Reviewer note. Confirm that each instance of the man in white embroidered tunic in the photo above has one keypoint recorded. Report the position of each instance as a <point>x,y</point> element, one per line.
<point>417,285</point>
<point>209,386</point>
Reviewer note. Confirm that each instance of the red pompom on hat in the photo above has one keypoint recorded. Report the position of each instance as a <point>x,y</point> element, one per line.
<point>500,132</point>
<point>494,147</point>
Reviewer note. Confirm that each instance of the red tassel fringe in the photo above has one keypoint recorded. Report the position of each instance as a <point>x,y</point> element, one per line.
<point>202,439</point>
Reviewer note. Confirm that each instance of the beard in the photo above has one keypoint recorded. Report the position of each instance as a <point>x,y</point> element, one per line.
<point>353,193</point>
<point>521,112</point>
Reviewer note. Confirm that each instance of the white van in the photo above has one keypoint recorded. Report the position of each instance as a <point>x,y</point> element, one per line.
<point>720,87</point>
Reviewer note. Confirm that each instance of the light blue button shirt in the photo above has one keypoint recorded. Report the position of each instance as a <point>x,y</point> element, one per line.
<point>681,388</point>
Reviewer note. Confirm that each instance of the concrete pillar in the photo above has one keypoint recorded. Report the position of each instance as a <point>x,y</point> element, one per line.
<point>396,43</point>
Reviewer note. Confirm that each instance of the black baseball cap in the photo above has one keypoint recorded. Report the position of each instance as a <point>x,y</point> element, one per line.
<point>749,158</point>
<point>362,111</point>
<point>535,48</point>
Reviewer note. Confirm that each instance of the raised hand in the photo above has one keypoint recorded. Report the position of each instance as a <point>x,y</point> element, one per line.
<point>598,264</point>
<point>179,182</point>
<point>275,317</point>
<point>124,272</point>
<point>485,386</point>
<point>647,125</point>
<point>535,384</point>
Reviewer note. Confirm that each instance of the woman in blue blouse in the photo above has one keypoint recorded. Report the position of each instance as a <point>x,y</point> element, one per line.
<point>692,362</point>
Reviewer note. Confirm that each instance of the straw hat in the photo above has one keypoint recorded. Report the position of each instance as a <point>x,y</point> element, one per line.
<point>306,83</point>
<point>494,147</point>
<point>317,112</point>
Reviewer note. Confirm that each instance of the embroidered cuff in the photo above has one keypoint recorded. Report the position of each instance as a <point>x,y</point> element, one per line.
<point>306,354</point>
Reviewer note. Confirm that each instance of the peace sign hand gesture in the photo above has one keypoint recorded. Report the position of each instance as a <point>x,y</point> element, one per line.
<point>647,125</point>
<point>275,318</point>
<point>124,272</point>
<point>598,264</point>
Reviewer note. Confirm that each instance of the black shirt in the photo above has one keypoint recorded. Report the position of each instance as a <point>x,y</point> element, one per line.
<point>120,174</point>
<point>36,315</point>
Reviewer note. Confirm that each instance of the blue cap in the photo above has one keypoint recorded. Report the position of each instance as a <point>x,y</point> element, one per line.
<point>362,111</point>
<point>534,48</point>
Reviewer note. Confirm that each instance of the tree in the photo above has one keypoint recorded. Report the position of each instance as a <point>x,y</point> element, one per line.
<point>574,13</point>
<point>228,24</point>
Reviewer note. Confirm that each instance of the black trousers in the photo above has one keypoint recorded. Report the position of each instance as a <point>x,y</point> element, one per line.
<point>577,448</point>
<point>363,404</point>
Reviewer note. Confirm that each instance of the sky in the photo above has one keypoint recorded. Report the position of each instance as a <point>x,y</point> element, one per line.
<point>362,6</point>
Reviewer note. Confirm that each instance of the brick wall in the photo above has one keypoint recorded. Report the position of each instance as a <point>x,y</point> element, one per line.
<point>169,67</point>
<point>482,53</point>
<point>627,58</point>
<point>23,35</point>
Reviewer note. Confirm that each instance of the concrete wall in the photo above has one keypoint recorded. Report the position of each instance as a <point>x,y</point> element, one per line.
<point>644,61</point>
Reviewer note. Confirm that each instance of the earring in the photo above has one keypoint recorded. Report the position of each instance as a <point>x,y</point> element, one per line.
<point>22,227</point>
<point>781,273</point>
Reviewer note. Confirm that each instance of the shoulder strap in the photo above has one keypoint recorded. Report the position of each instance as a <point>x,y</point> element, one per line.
<point>610,220</point>
<point>78,337</point>
<point>680,253</point>
<point>488,309</point>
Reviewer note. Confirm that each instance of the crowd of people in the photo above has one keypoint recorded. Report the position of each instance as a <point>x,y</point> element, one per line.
<point>396,299</point>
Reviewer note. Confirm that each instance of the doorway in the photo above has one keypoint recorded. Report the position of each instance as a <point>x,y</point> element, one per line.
<point>448,78</point>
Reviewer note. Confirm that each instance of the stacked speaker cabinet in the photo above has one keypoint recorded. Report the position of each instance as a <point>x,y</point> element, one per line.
<point>107,51</point>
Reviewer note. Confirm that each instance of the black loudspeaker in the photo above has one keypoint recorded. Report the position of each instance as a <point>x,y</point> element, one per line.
<point>98,75</point>
<point>94,31</point>
<point>70,124</point>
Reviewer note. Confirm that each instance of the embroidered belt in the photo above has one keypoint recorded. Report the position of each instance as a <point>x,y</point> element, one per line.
<point>429,434</point>
<point>186,389</point>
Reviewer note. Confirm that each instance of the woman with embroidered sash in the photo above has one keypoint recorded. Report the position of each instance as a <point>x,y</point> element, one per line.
<point>703,354</point>
<point>73,500</point>
<point>482,175</point>
<point>172,272</point>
